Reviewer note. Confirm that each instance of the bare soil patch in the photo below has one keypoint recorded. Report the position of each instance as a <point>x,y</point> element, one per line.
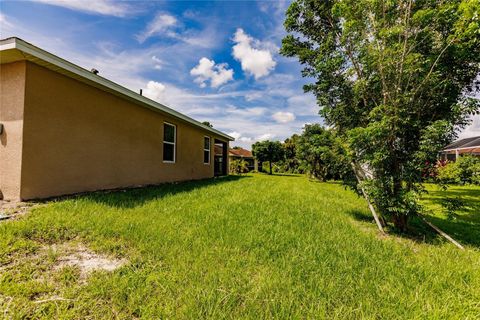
<point>14,209</point>
<point>84,259</point>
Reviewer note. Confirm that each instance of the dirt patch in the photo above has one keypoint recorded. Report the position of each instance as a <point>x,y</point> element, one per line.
<point>56,257</point>
<point>14,209</point>
<point>84,259</point>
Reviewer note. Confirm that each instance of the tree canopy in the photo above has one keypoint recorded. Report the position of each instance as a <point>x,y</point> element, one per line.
<point>394,78</point>
<point>322,153</point>
<point>271,151</point>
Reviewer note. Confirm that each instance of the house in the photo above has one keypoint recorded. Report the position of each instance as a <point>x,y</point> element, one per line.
<point>65,130</point>
<point>465,146</point>
<point>237,153</point>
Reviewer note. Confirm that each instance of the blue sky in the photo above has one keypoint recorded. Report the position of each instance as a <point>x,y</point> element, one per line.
<point>214,61</point>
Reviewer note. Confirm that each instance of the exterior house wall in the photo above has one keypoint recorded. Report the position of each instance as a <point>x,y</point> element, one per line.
<point>79,138</point>
<point>12,89</point>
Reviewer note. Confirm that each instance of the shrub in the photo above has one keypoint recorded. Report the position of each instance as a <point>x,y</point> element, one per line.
<point>238,166</point>
<point>448,173</point>
<point>465,170</point>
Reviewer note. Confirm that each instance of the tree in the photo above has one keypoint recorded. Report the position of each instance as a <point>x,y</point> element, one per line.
<point>393,78</point>
<point>271,151</point>
<point>322,153</point>
<point>290,161</point>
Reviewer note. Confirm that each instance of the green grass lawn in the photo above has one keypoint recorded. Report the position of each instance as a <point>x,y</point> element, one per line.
<point>252,247</point>
<point>466,225</point>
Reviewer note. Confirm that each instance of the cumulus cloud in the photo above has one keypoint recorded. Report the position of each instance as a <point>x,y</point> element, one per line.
<point>155,91</point>
<point>104,7</point>
<point>283,117</point>
<point>255,61</point>
<point>162,23</point>
<point>207,70</point>
<point>235,135</point>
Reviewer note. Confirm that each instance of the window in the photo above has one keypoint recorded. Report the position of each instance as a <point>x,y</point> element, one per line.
<point>169,140</point>
<point>206,150</point>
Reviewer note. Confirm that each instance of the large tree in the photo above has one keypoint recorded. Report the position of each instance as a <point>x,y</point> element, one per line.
<point>271,151</point>
<point>394,78</point>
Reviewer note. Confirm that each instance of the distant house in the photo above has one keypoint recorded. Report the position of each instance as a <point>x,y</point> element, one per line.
<point>240,153</point>
<point>64,129</point>
<point>461,147</point>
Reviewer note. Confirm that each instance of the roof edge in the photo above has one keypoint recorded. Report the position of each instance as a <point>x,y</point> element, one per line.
<point>19,44</point>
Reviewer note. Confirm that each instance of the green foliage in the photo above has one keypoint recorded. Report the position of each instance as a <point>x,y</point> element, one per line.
<point>448,174</point>
<point>271,151</point>
<point>290,163</point>
<point>238,166</point>
<point>394,78</point>
<point>466,170</point>
<point>451,206</point>
<point>322,153</point>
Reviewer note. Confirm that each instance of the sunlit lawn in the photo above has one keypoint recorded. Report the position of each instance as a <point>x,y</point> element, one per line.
<point>253,247</point>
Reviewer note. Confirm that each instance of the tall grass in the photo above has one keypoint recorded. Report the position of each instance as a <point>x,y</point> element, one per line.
<point>239,247</point>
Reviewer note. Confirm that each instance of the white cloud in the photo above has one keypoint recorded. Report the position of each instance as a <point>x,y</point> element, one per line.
<point>303,104</point>
<point>283,117</point>
<point>104,7</point>
<point>246,112</point>
<point>208,70</point>
<point>155,91</point>
<point>473,129</point>
<point>265,136</point>
<point>4,21</point>
<point>258,62</point>
<point>160,24</point>
<point>158,63</point>
<point>236,135</point>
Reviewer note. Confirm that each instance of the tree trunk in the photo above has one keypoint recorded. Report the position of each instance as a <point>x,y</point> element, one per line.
<point>400,221</point>
<point>270,163</point>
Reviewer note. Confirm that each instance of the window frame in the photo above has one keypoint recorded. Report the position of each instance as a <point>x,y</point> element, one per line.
<point>209,150</point>
<point>174,143</point>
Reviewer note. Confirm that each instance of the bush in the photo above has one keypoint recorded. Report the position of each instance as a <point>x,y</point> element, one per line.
<point>448,173</point>
<point>238,166</point>
<point>464,171</point>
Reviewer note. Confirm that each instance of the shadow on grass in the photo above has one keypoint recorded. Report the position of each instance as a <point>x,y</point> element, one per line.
<point>463,232</point>
<point>134,197</point>
<point>470,197</point>
<point>288,175</point>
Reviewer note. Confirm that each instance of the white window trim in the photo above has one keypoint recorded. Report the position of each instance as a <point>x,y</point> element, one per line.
<point>209,150</point>
<point>168,142</point>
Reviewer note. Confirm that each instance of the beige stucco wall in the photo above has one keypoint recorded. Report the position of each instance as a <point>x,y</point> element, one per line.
<point>79,138</point>
<point>12,89</point>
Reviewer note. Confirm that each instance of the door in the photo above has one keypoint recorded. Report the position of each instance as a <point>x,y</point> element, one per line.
<point>220,159</point>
